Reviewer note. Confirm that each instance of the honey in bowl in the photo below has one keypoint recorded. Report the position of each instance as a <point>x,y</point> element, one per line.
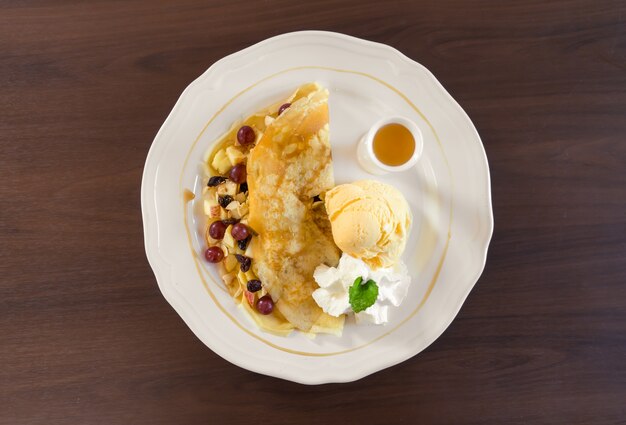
<point>393,145</point>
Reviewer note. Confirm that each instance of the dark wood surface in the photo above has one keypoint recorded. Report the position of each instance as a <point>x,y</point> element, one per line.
<point>85,335</point>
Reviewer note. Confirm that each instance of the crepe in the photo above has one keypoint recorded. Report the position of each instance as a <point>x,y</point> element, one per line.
<point>289,166</point>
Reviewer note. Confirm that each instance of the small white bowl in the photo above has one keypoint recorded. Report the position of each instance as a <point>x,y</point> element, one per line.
<point>365,149</point>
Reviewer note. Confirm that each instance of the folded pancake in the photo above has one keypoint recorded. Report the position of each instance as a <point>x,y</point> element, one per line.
<point>288,167</point>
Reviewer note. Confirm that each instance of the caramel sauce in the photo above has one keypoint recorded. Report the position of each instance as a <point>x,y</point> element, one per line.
<point>188,195</point>
<point>393,144</point>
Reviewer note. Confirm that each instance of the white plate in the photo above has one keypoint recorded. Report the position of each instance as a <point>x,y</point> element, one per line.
<point>448,191</point>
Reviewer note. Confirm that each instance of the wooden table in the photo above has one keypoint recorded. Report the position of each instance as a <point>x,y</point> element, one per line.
<point>85,335</point>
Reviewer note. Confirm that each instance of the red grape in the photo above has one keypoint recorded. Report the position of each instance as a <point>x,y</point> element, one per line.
<point>283,107</point>
<point>238,173</point>
<point>217,229</point>
<point>214,254</point>
<point>239,231</point>
<point>245,135</point>
<point>265,305</point>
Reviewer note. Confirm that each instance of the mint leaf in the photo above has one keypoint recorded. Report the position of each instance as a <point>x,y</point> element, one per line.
<point>362,295</point>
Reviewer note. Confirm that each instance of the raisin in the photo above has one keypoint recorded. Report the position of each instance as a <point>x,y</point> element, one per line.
<point>254,285</point>
<point>243,244</point>
<point>225,200</point>
<point>243,187</point>
<point>216,181</point>
<point>244,262</point>
<point>230,221</point>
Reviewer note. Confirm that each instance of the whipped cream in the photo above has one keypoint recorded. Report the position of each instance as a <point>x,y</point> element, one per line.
<point>332,295</point>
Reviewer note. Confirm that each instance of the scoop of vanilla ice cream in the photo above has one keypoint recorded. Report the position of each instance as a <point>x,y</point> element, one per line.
<point>370,220</point>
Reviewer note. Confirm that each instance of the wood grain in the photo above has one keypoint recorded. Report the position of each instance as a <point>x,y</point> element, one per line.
<point>86,337</point>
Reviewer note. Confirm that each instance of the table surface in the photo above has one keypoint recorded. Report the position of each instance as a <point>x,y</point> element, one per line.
<point>87,338</point>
